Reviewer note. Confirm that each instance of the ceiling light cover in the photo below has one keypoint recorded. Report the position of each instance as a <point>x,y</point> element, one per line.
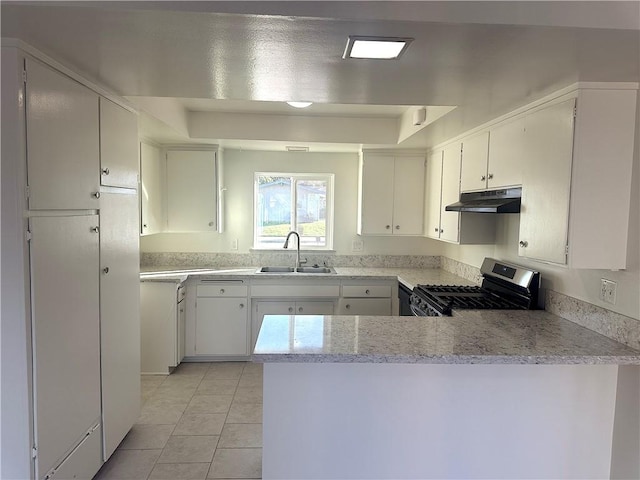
<point>382,48</point>
<point>299,104</point>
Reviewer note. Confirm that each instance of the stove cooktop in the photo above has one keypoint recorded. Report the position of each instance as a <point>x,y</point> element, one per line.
<point>444,298</point>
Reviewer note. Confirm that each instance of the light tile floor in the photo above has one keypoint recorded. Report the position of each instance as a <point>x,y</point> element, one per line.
<point>204,421</point>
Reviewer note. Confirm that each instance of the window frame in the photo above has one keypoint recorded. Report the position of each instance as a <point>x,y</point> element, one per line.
<point>329,178</point>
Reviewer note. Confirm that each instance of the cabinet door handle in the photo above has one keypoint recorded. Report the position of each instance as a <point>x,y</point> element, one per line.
<point>96,194</point>
<point>300,309</point>
<point>144,225</point>
<point>105,171</point>
<point>347,306</point>
<point>524,243</point>
<point>95,229</point>
<point>490,176</point>
<point>181,310</point>
<point>105,270</point>
<point>388,227</point>
<point>242,305</point>
<point>397,227</point>
<point>441,231</point>
<point>222,291</point>
<point>483,178</point>
<point>290,309</point>
<point>435,229</point>
<point>367,291</point>
<point>211,224</point>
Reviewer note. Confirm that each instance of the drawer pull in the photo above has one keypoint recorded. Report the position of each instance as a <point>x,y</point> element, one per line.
<point>300,309</point>
<point>367,291</point>
<point>222,291</point>
<point>347,306</point>
<point>290,309</point>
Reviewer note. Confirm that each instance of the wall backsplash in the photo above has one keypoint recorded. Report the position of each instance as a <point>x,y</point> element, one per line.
<point>256,259</point>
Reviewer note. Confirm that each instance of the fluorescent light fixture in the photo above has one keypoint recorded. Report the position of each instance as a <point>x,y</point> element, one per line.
<point>299,104</point>
<point>385,48</point>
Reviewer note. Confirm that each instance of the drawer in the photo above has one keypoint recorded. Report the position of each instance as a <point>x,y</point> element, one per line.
<point>291,291</point>
<point>221,290</point>
<point>366,291</point>
<point>364,306</point>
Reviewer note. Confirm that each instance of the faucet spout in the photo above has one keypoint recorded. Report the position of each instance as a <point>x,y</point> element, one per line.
<point>286,245</point>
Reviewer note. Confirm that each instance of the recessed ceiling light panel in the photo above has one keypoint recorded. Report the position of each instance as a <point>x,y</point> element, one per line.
<point>382,48</point>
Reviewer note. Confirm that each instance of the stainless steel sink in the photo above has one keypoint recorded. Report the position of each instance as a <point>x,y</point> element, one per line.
<point>296,270</point>
<point>315,270</point>
<point>276,270</point>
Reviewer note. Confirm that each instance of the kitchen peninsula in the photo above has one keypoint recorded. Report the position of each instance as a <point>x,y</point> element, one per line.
<point>478,395</point>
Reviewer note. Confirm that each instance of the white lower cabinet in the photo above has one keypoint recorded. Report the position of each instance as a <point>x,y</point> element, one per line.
<point>64,258</point>
<point>162,326</point>
<point>119,315</point>
<point>286,307</point>
<point>366,299</point>
<point>221,319</point>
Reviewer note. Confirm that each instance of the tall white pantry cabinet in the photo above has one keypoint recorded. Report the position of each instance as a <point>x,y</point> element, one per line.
<point>70,270</point>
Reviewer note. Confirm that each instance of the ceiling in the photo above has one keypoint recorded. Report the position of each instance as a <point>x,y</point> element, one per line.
<point>190,65</point>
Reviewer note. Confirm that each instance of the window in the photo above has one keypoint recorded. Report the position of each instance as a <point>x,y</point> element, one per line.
<point>312,217</point>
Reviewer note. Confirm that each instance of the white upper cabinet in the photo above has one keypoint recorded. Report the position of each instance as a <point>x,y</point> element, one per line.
<point>443,188</point>
<point>118,145</point>
<point>151,191</point>
<point>63,162</point>
<point>544,211</point>
<point>449,221</point>
<point>506,154</point>
<point>391,194</point>
<point>576,187</point>
<point>191,191</point>
<point>475,156</point>
<point>433,195</point>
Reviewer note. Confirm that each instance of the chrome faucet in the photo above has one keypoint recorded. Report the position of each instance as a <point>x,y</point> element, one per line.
<point>286,245</point>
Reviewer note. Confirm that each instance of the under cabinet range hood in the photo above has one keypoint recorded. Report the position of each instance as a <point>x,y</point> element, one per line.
<point>492,201</point>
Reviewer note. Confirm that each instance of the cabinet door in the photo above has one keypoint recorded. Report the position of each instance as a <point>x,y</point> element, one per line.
<point>377,189</point>
<point>408,196</point>
<point>433,195</point>
<point>222,326</point>
<point>475,151</point>
<point>64,260</point>
<point>506,154</point>
<point>314,308</point>
<point>151,189</point>
<point>546,181</point>
<point>182,330</point>
<point>118,145</point>
<point>191,191</point>
<point>119,315</point>
<point>449,221</point>
<point>63,165</point>
<point>158,327</point>
<point>268,308</point>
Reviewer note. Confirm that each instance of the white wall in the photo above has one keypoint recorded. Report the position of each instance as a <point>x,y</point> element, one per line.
<point>239,169</point>
<point>581,284</point>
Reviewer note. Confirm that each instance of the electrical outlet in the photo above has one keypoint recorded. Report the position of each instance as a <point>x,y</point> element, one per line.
<point>357,246</point>
<point>234,244</point>
<point>608,291</point>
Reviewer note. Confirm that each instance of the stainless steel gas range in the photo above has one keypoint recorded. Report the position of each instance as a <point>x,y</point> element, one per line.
<point>504,286</point>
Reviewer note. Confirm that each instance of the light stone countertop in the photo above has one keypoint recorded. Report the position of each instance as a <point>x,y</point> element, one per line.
<point>470,337</point>
<point>408,276</point>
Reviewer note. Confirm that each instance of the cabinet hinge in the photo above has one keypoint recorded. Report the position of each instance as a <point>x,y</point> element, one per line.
<point>27,192</point>
<point>575,111</point>
<point>24,76</point>
<point>34,452</point>
<point>28,235</point>
<point>566,249</point>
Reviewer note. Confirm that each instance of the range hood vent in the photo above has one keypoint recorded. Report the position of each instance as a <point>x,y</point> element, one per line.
<point>493,201</point>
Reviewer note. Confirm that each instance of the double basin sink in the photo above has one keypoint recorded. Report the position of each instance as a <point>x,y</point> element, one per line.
<point>314,269</point>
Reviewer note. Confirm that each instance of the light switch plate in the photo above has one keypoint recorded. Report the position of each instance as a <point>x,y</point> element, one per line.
<point>234,244</point>
<point>357,246</point>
